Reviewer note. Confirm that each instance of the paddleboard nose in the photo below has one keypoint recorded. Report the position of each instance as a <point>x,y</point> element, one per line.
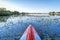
<point>30,34</point>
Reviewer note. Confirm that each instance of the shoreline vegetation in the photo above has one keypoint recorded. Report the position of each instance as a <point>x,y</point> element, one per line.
<point>5,14</point>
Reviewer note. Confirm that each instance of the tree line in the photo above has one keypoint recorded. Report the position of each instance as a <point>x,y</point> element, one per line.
<point>54,13</point>
<point>4,12</point>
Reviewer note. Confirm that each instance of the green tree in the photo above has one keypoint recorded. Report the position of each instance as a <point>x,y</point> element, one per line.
<point>2,9</point>
<point>23,14</point>
<point>58,13</point>
<point>52,13</point>
<point>15,12</point>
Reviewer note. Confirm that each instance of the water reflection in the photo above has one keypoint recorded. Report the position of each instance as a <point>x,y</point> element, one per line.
<point>47,27</point>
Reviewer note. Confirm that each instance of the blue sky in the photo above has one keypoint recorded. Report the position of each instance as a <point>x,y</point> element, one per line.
<point>38,6</point>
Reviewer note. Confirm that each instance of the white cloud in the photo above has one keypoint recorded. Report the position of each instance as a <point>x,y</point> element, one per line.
<point>12,7</point>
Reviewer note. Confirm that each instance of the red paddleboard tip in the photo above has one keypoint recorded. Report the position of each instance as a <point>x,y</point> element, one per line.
<point>30,34</point>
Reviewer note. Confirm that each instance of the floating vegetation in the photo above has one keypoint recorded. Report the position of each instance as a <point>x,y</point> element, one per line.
<point>48,28</point>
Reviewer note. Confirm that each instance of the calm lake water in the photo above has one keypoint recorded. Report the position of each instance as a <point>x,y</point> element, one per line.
<point>48,28</point>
